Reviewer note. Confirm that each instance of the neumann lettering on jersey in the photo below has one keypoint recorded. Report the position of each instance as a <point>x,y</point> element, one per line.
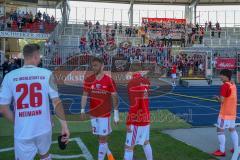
<point>29,78</point>
<point>24,35</point>
<point>30,113</point>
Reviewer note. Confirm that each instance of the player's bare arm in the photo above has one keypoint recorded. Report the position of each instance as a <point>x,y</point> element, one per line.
<point>220,99</point>
<point>83,105</point>
<point>115,106</point>
<point>62,119</point>
<point>84,102</point>
<point>7,113</point>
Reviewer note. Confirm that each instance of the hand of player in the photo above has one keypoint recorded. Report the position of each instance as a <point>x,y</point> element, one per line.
<point>116,117</point>
<point>83,115</point>
<point>66,134</point>
<point>216,98</point>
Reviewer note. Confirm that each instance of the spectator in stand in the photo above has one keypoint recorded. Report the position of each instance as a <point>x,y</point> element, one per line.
<point>209,25</point>
<point>13,65</point>
<point>44,16</point>
<point>90,24</point>
<point>219,33</point>
<point>48,19</point>
<point>116,26</point>
<point>9,24</point>
<point>39,14</point>
<point>5,67</point>
<point>212,32</point>
<point>85,23</point>
<point>2,24</point>
<point>206,26</point>
<point>183,40</point>
<point>201,34</point>
<point>218,28</point>
<point>48,46</point>
<point>52,19</point>
<point>97,25</point>
<point>120,28</point>
<point>113,33</point>
<point>83,43</point>
<point>197,27</point>
<point>37,19</point>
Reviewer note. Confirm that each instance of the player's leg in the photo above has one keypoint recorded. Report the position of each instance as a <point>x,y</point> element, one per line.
<point>104,129</point>
<point>172,80</point>
<point>234,135</point>
<point>103,147</point>
<point>146,146</point>
<point>43,144</point>
<point>148,150</point>
<point>24,149</point>
<point>221,138</point>
<point>130,142</point>
<point>128,152</point>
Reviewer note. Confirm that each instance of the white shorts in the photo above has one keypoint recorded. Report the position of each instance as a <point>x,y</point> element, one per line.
<point>225,124</point>
<point>138,135</point>
<point>101,126</point>
<point>174,76</point>
<point>27,149</point>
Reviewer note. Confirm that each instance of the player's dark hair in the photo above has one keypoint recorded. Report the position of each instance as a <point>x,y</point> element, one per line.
<point>29,49</point>
<point>97,59</point>
<point>227,73</point>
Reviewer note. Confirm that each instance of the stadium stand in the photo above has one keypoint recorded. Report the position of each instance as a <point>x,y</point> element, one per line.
<point>27,22</point>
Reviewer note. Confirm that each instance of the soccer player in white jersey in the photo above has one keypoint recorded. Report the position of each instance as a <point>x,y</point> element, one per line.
<point>30,88</point>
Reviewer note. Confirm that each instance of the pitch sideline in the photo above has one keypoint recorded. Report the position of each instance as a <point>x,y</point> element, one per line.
<point>86,154</point>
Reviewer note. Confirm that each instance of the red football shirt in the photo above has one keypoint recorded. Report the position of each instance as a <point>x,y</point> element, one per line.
<point>99,92</point>
<point>138,90</point>
<point>174,69</point>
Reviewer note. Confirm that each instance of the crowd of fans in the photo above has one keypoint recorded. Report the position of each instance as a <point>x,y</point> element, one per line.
<point>97,39</point>
<point>189,65</point>
<point>11,64</point>
<point>187,34</point>
<point>27,22</point>
<point>217,29</point>
<point>157,49</point>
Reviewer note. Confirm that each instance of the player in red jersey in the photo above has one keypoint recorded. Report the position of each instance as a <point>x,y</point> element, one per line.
<point>101,90</point>
<point>174,74</point>
<point>138,120</point>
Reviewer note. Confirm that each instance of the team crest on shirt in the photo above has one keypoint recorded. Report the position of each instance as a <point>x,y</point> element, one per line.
<point>104,131</point>
<point>98,86</point>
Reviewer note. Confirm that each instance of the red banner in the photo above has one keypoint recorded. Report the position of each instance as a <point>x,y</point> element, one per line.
<point>226,63</point>
<point>159,20</point>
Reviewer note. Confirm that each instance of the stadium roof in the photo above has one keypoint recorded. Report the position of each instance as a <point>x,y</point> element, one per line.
<point>54,3</point>
<point>171,2</point>
<point>39,3</point>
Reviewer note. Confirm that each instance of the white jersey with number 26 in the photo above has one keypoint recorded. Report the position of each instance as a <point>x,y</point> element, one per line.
<point>30,89</point>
